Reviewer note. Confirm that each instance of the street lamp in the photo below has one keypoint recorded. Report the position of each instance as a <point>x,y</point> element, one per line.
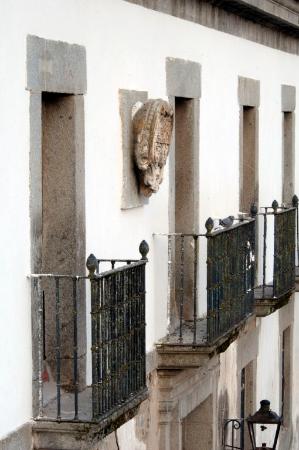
<point>267,420</point>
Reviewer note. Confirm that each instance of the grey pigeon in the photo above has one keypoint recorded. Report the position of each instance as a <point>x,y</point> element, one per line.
<point>227,221</point>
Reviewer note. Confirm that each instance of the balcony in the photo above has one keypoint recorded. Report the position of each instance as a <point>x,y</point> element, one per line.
<point>249,271</point>
<point>295,205</point>
<point>194,334</point>
<point>277,260</point>
<point>81,395</point>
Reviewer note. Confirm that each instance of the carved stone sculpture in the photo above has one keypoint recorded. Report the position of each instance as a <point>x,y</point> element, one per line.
<point>152,124</point>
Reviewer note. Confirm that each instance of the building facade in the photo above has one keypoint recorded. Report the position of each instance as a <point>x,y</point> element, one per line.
<point>74,73</point>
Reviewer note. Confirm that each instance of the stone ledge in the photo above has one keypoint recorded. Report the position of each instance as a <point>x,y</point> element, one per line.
<point>19,439</point>
<point>271,12</point>
<point>177,356</point>
<point>265,306</point>
<point>71,435</point>
<point>267,22</point>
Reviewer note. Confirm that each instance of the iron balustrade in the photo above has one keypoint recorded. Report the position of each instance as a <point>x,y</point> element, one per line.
<point>229,284</point>
<point>230,277</point>
<point>284,244</point>
<point>117,298</point>
<point>295,204</point>
<point>118,351</point>
<point>284,251</point>
<point>233,434</point>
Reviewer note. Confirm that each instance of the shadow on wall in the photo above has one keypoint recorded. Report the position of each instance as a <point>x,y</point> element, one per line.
<point>295,438</point>
<point>223,412</point>
<point>288,440</point>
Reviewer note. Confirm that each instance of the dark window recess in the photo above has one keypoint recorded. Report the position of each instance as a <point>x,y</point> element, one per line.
<point>286,377</point>
<point>288,156</point>
<point>249,159</point>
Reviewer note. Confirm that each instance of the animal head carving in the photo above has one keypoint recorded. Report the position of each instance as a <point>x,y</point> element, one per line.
<point>152,124</point>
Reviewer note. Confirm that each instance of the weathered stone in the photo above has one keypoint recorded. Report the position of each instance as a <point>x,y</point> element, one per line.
<point>198,427</point>
<point>152,124</point>
<point>55,66</point>
<point>20,439</point>
<point>264,21</point>
<point>288,98</point>
<point>63,215</point>
<point>183,78</point>
<point>131,197</point>
<point>249,92</point>
<point>57,241</point>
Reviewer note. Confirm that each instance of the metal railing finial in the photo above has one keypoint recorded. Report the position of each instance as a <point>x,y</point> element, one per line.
<point>275,206</point>
<point>295,201</point>
<point>143,250</point>
<point>253,210</point>
<point>209,225</point>
<point>92,265</point>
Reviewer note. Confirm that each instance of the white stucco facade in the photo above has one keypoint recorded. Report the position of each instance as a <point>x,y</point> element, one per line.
<point>126,48</point>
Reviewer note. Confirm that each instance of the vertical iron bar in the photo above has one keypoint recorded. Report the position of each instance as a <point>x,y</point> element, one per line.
<point>264,250</point>
<point>97,349</point>
<point>135,348</point>
<point>195,288</point>
<point>181,288</point>
<point>140,330</point>
<point>209,290</point>
<point>40,336</point>
<point>75,351</point>
<point>276,256</point>
<point>116,340</point>
<point>297,231</point>
<point>44,325</point>
<point>126,335</point>
<point>109,327</point>
<point>170,277</point>
<point>93,348</point>
<point>100,347</point>
<point>58,350</point>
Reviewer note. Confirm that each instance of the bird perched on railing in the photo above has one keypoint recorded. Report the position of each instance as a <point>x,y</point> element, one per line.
<point>227,221</point>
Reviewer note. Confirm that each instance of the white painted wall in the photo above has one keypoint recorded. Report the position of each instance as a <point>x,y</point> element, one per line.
<point>126,48</point>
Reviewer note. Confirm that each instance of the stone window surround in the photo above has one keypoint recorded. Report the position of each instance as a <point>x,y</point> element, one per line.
<point>248,96</point>
<point>288,106</point>
<point>183,79</point>
<point>57,67</point>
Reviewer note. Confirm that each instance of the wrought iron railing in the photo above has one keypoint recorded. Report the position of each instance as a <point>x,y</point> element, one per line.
<point>230,277</point>
<point>233,434</point>
<point>295,204</point>
<point>117,298</point>
<point>230,247</point>
<point>283,236</point>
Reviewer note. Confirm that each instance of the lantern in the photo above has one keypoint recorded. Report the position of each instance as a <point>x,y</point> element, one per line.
<point>266,420</point>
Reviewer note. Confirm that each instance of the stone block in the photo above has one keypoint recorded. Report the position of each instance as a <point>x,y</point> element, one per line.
<point>20,439</point>
<point>55,66</point>
<point>130,197</point>
<point>183,78</point>
<point>288,98</point>
<point>249,92</point>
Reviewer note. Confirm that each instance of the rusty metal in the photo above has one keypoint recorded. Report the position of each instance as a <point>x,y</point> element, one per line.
<point>295,204</point>
<point>117,335</point>
<point>284,251</point>
<point>232,431</point>
<point>283,259</point>
<point>230,277</point>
